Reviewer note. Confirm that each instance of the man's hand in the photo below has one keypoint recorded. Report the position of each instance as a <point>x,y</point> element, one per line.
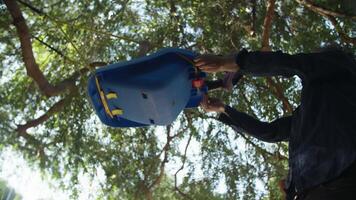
<point>212,105</point>
<point>212,63</point>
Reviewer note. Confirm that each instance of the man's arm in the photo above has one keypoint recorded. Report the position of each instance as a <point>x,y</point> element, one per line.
<point>258,63</point>
<point>275,131</point>
<point>305,65</point>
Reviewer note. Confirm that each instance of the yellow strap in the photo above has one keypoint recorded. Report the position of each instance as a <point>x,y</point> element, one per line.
<point>117,112</point>
<point>103,99</point>
<point>111,95</point>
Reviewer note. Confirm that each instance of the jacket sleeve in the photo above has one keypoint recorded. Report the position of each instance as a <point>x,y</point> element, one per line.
<point>305,65</point>
<point>276,131</point>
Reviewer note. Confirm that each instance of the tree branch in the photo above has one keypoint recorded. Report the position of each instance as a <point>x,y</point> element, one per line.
<point>165,150</point>
<point>50,47</point>
<point>34,9</point>
<point>144,47</point>
<point>93,65</point>
<point>36,74</point>
<point>323,11</point>
<point>344,37</point>
<point>57,107</point>
<point>32,67</point>
<point>330,15</point>
<point>278,91</point>
<point>40,12</point>
<point>249,105</point>
<point>181,168</point>
<point>30,139</point>
<point>267,25</point>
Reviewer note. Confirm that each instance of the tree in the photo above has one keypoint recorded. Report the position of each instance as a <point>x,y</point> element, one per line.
<point>50,48</point>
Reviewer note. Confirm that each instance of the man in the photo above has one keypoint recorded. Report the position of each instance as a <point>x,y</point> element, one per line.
<point>321,132</point>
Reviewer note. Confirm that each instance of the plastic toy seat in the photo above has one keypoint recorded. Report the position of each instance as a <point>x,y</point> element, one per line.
<point>151,90</point>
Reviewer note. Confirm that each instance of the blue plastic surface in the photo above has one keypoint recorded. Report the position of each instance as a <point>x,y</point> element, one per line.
<point>151,90</point>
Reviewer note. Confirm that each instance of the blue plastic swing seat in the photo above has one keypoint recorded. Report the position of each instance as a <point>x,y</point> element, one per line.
<point>150,90</point>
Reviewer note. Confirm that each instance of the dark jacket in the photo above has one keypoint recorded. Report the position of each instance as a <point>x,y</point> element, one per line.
<point>322,130</point>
